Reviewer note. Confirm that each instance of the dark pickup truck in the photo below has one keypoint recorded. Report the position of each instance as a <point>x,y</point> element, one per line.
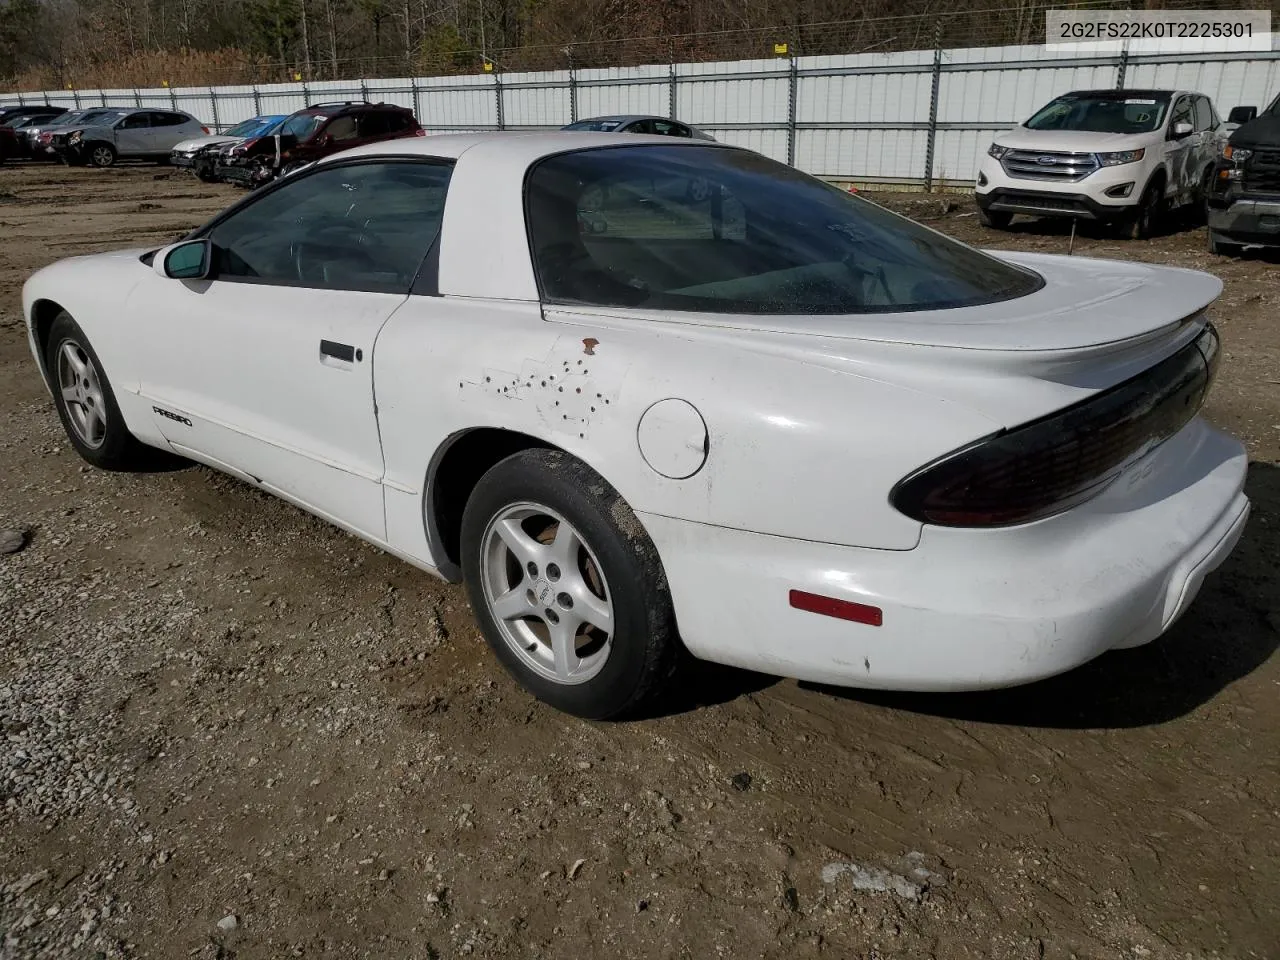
<point>1242,203</point>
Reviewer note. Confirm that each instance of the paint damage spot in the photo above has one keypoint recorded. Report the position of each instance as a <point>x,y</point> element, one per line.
<point>589,345</point>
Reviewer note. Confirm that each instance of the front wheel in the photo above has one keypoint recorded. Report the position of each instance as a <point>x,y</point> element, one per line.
<point>997,219</point>
<point>567,586</point>
<point>101,154</point>
<point>1145,219</point>
<point>1224,248</point>
<point>85,401</point>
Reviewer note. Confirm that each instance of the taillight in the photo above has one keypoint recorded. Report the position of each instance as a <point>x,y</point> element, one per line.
<point>205,129</point>
<point>419,132</point>
<point>1052,464</point>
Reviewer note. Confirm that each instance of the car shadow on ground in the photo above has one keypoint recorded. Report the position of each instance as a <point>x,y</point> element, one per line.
<point>1184,221</point>
<point>1231,629</point>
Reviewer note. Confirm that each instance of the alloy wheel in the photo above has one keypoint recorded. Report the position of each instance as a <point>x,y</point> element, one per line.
<point>82,395</point>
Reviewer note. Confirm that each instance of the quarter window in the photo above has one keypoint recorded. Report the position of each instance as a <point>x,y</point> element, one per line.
<point>363,226</point>
<point>684,227</point>
<point>135,120</point>
<point>1181,113</point>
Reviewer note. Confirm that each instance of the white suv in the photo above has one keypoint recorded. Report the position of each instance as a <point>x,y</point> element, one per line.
<point>1124,157</point>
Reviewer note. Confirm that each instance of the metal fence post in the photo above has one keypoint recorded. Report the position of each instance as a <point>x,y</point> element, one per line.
<point>173,99</point>
<point>137,97</point>
<point>498,97</point>
<point>1122,65</point>
<point>20,100</point>
<point>671,81</point>
<point>364,90</point>
<point>932,141</point>
<point>306,94</point>
<point>417,105</point>
<point>793,84</point>
<point>257,102</point>
<point>75,95</point>
<point>213,99</point>
<point>573,89</point>
<point>103,94</point>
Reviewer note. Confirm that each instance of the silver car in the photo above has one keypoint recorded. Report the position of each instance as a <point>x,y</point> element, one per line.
<point>144,134</point>
<point>639,123</point>
<point>40,135</point>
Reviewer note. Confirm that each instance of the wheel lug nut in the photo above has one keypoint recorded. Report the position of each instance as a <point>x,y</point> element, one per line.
<point>552,616</point>
<point>553,572</point>
<point>565,601</point>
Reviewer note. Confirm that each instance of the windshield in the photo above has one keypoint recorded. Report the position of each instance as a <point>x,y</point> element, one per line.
<point>729,231</point>
<point>252,128</point>
<point>1121,112</point>
<point>302,126</point>
<point>598,126</point>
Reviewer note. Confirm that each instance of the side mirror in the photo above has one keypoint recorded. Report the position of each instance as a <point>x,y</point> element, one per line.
<point>1181,130</point>
<point>1242,114</point>
<point>188,260</point>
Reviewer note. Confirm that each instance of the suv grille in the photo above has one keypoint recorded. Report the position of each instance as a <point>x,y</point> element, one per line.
<point>1048,165</point>
<point>1262,172</point>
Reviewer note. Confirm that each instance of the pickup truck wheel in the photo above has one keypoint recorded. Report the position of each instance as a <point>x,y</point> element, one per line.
<point>1224,248</point>
<point>567,586</point>
<point>997,219</point>
<point>101,154</point>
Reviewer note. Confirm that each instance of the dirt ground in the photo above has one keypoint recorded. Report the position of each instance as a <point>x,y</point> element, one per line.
<point>233,731</point>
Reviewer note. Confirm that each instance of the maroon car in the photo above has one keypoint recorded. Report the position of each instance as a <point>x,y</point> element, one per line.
<point>311,134</point>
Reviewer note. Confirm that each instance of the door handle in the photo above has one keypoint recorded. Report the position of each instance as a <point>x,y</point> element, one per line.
<point>340,351</point>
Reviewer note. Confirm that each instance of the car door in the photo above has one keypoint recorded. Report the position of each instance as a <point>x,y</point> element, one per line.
<point>1207,124</point>
<point>133,134</point>
<point>266,368</point>
<point>1180,153</point>
<point>170,129</point>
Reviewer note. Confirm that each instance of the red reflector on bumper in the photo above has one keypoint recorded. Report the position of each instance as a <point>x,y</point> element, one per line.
<point>841,609</point>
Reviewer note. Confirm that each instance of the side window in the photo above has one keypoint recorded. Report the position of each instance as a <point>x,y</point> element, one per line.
<point>363,226</point>
<point>167,119</point>
<point>135,121</point>
<point>1181,114</point>
<point>380,123</point>
<point>1205,120</point>
<point>342,128</point>
<point>668,128</point>
<point>640,126</point>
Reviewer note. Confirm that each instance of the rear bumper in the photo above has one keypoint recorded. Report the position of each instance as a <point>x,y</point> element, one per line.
<point>1247,221</point>
<point>970,609</point>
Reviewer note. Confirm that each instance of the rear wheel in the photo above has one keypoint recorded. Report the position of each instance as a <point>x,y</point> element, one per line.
<point>85,401</point>
<point>101,154</point>
<point>997,219</point>
<point>567,586</point>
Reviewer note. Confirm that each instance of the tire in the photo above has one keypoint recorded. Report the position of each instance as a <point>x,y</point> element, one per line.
<point>86,403</point>
<point>1146,218</point>
<point>100,154</point>
<point>996,219</point>
<point>541,528</point>
<point>1224,248</point>
<point>206,175</point>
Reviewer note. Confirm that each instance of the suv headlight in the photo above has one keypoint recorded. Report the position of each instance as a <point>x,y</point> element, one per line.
<point>1122,156</point>
<point>997,151</point>
<point>1236,155</point>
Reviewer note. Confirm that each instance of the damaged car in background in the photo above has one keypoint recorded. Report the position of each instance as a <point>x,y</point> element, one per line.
<point>768,423</point>
<point>104,138</point>
<point>308,135</point>
<point>199,153</point>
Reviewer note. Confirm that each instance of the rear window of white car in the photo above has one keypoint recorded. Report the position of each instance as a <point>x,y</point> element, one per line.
<point>724,230</point>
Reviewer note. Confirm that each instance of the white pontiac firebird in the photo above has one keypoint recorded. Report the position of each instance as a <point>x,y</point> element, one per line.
<point>648,396</point>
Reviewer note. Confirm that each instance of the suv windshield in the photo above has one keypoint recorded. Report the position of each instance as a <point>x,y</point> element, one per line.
<point>728,231</point>
<point>303,125</point>
<point>1121,112</point>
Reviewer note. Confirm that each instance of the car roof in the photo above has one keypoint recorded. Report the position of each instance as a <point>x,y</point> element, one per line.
<point>523,146</point>
<point>487,186</point>
<point>627,118</point>
<point>333,109</point>
<point>1113,94</point>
